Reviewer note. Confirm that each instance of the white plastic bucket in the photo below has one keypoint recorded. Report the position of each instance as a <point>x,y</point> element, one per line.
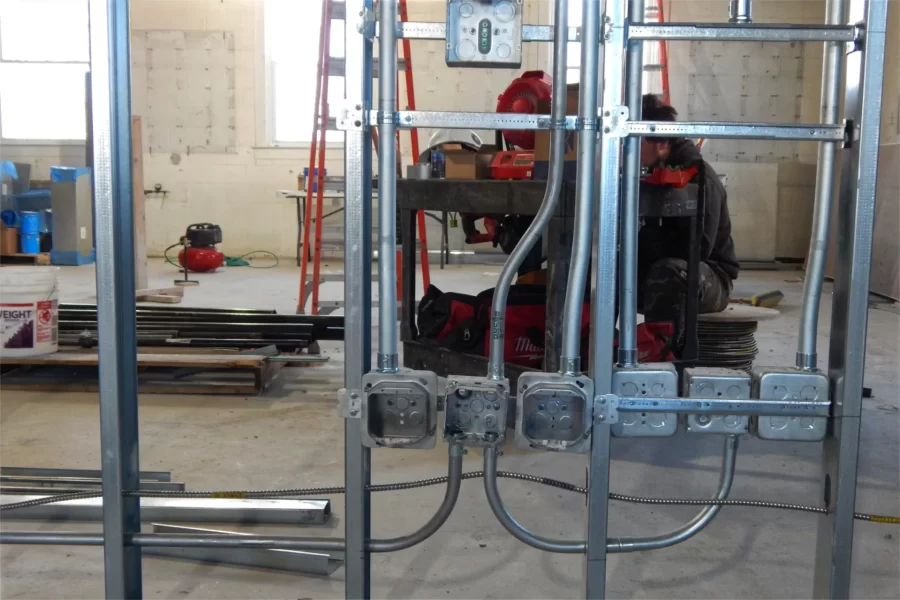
<point>29,312</point>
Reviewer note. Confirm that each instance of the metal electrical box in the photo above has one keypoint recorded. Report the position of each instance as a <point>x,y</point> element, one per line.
<point>646,379</point>
<point>484,33</point>
<point>399,410</point>
<point>786,384</point>
<point>554,412</point>
<point>475,411</point>
<point>712,382</point>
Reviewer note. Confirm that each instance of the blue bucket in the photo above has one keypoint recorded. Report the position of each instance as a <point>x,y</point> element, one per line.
<point>30,243</point>
<point>29,222</point>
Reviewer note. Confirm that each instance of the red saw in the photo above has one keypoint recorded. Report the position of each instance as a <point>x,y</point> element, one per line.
<point>524,96</point>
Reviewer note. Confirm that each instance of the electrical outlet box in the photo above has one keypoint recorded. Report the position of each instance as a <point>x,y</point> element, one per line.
<point>484,33</point>
<point>786,384</point>
<point>399,410</point>
<point>475,411</point>
<point>554,412</point>
<point>711,382</point>
<point>654,380</point>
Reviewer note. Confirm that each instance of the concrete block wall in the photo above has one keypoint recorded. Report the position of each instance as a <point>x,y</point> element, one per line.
<point>238,190</point>
<point>771,217</point>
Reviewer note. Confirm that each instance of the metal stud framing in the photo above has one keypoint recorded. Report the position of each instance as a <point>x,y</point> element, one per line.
<point>122,538</point>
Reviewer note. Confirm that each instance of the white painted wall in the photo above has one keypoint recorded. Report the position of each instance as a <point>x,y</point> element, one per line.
<point>238,189</point>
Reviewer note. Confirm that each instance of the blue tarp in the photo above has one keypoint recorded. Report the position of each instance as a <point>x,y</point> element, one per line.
<point>63,174</point>
<point>8,167</point>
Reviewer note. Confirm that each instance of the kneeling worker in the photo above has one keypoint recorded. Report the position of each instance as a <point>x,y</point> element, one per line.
<point>663,244</point>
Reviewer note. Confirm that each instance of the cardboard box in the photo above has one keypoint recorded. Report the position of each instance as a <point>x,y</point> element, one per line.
<point>542,138</point>
<point>465,164</point>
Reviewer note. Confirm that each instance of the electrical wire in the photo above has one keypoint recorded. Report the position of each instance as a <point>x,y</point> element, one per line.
<point>408,485</point>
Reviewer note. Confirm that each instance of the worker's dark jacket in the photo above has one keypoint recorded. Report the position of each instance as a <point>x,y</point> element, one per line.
<point>670,238</point>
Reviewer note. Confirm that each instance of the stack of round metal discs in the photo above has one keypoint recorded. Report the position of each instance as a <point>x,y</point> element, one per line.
<point>728,344</point>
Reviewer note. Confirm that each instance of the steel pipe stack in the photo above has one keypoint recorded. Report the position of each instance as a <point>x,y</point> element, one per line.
<point>207,327</point>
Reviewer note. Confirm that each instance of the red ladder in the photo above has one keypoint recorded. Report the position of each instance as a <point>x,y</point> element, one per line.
<point>317,152</point>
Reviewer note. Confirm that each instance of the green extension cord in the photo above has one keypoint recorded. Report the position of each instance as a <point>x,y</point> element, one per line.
<point>241,261</point>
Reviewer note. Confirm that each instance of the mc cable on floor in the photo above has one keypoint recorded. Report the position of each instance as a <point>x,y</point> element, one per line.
<point>395,487</point>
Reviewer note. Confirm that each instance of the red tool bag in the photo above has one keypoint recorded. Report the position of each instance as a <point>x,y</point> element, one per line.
<point>526,318</point>
<point>448,320</point>
<point>462,323</point>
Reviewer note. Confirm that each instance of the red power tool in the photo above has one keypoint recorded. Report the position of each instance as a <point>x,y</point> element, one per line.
<point>672,177</point>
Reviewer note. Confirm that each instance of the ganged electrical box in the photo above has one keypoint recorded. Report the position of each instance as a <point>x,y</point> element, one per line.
<point>475,411</point>
<point>785,385</point>
<point>553,412</point>
<point>484,33</point>
<point>714,382</point>
<point>399,410</point>
<point>646,379</point>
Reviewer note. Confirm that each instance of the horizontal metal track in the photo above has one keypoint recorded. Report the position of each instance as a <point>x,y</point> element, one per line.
<point>709,130</point>
<point>179,540</point>
<point>93,473</point>
<point>723,406</point>
<point>407,119</point>
<point>191,510</point>
<point>743,33</point>
<point>438,31</point>
<point>722,32</point>
<point>757,131</point>
<point>83,482</point>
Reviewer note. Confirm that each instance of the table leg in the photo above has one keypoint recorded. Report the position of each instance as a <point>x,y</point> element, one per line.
<point>299,230</point>
<point>691,350</point>
<point>408,278</point>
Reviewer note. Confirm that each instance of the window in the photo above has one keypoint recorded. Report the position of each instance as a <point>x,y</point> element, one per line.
<point>44,55</point>
<point>573,52</point>
<point>292,48</point>
<point>652,80</point>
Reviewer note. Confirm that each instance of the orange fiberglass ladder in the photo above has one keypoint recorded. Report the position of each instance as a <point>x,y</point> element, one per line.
<point>315,180</point>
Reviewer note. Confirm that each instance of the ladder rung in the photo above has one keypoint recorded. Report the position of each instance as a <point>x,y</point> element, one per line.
<point>654,67</point>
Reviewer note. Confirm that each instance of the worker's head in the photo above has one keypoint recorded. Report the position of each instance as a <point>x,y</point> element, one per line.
<point>655,150</point>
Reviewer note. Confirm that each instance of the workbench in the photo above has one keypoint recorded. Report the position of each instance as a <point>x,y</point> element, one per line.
<point>524,198</point>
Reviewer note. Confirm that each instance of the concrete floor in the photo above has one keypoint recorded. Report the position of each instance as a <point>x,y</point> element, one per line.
<point>291,437</point>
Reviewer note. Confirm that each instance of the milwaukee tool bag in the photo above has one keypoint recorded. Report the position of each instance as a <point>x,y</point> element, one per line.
<point>526,311</point>
<point>449,320</point>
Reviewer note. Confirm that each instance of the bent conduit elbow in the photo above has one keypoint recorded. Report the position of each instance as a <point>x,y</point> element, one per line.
<point>695,525</point>
<point>513,526</point>
<point>551,194</point>
<point>454,481</point>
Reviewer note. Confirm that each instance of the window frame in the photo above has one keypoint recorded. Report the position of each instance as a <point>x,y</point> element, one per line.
<point>5,141</point>
<point>267,99</point>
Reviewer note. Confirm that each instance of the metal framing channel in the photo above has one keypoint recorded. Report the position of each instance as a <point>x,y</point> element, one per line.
<point>743,33</point>
<point>750,131</point>
<point>438,31</point>
<point>357,294</point>
<point>414,119</point>
<point>603,304</point>
<point>111,114</point>
<point>846,359</point>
